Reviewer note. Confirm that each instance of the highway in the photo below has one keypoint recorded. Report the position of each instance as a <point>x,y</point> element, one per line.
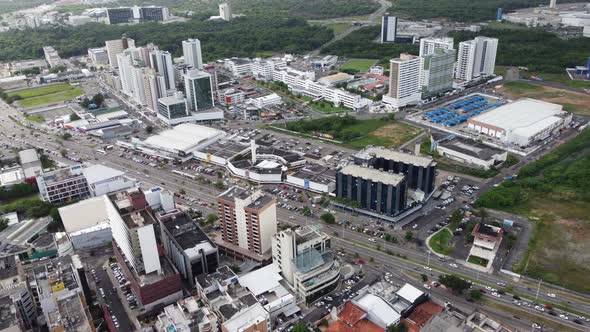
<point>355,242</point>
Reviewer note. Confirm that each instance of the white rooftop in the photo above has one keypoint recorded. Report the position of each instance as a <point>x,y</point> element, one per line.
<point>372,174</point>
<point>389,154</point>
<point>28,156</point>
<point>262,280</point>
<point>378,310</point>
<point>183,137</point>
<point>246,318</point>
<point>409,293</point>
<point>519,114</point>
<point>111,115</point>
<point>11,176</point>
<point>99,173</point>
<point>84,214</point>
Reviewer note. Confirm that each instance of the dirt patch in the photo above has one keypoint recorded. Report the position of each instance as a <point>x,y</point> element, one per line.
<point>572,101</point>
<point>396,132</point>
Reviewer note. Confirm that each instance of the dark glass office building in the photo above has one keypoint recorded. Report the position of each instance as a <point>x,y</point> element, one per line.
<point>375,190</point>
<point>199,90</point>
<point>119,15</point>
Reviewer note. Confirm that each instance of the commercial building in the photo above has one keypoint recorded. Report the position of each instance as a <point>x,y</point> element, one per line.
<point>335,79</point>
<point>225,11</point>
<point>172,109</point>
<point>30,163</point>
<point>375,190</point>
<point>236,308</point>
<point>470,152</point>
<point>153,279</point>
<point>98,56</point>
<point>437,70</point>
<point>62,185</point>
<point>191,50</point>
<point>117,46</point>
<point>404,81</point>
<point>199,90</point>
<point>186,316</point>
<point>351,318</point>
<point>313,177</point>
<point>248,219</point>
<point>522,123</point>
<point>87,223</point>
<point>13,82</point>
<point>17,306</point>
<point>104,180</point>
<point>388,28</point>
<point>486,242</point>
<point>476,58</point>
<point>430,44</point>
<point>266,101</point>
<point>57,289</point>
<point>51,56</point>
<point>304,258</point>
<point>187,246</point>
<point>137,14</point>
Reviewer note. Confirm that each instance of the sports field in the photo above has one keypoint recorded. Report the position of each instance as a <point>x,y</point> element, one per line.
<point>46,94</point>
<point>360,65</point>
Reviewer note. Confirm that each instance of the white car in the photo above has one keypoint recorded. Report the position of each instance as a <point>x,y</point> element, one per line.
<point>426,286</point>
<point>453,265</point>
<point>496,294</point>
<point>551,295</point>
<point>415,226</point>
<point>427,268</point>
<point>372,240</point>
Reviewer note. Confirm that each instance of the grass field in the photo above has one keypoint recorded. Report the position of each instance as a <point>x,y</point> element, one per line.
<point>392,135</point>
<point>51,98</point>
<point>36,118</point>
<point>327,107</point>
<point>572,101</point>
<point>439,242</point>
<point>338,28</point>
<point>478,261</point>
<point>361,65</point>
<point>41,91</point>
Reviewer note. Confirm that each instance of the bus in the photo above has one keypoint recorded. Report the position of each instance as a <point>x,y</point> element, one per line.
<point>102,152</point>
<point>108,148</point>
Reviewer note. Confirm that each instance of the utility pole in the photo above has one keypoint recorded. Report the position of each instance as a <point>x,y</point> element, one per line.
<point>538,288</point>
<point>428,258</point>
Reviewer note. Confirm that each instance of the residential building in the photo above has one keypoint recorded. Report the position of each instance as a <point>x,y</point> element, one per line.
<point>225,11</point>
<point>17,306</point>
<point>404,81</point>
<point>430,44</point>
<point>186,316</point>
<point>51,56</point>
<point>10,176</point>
<point>191,50</point>
<point>199,90</point>
<point>437,71</point>
<point>476,58</point>
<point>98,56</point>
<point>248,219</point>
<point>487,239</point>
<point>172,108</point>
<point>153,278</point>
<point>117,46</point>
<point>388,28</point>
<point>63,185</point>
<point>161,61</point>
<point>380,191</point>
<point>350,318</point>
<point>305,260</point>
<point>236,308</point>
<point>187,246</point>
<point>154,86</point>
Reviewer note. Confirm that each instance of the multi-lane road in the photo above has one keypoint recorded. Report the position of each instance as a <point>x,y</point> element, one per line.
<point>354,241</point>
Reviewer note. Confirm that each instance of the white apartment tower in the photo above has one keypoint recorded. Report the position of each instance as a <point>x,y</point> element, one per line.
<point>225,11</point>
<point>404,81</point>
<point>161,61</point>
<point>388,28</point>
<point>155,88</point>
<point>476,58</point>
<point>191,49</point>
<point>428,45</point>
<point>117,46</point>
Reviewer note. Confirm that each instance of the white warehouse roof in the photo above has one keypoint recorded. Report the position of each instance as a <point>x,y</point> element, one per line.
<point>378,310</point>
<point>409,293</point>
<point>520,114</point>
<point>183,137</point>
<point>84,214</point>
<point>98,173</point>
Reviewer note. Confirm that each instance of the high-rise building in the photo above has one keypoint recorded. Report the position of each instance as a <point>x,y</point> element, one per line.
<point>306,261</point>
<point>117,46</point>
<point>388,28</point>
<point>437,71</point>
<point>225,11</point>
<point>138,86</point>
<point>172,108</point>
<point>191,50</point>
<point>98,56</point>
<point>198,87</point>
<point>137,14</point>
<point>476,58</point>
<point>404,81</point>
<point>430,44</point>
<point>161,61</point>
<point>154,87</point>
<point>248,219</point>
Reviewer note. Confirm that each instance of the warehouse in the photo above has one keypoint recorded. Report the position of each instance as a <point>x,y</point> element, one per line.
<point>471,152</point>
<point>522,122</point>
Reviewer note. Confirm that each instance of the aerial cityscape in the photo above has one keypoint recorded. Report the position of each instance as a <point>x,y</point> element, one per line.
<point>295,165</point>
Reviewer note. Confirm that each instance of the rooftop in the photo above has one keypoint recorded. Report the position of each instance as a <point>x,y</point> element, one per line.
<point>183,137</point>
<point>188,234</point>
<point>87,213</point>
<point>8,318</point>
<point>409,293</point>
<point>378,310</point>
<point>471,148</point>
<point>372,174</point>
<point>8,268</point>
<point>61,174</point>
<point>381,152</point>
<point>171,100</point>
<point>98,173</point>
<point>28,156</point>
<point>519,114</point>
<point>487,231</point>
<point>422,314</point>
<point>223,273</point>
<point>225,149</point>
<point>352,319</point>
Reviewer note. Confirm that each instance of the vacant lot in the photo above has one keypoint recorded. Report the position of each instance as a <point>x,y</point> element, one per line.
<point>392,135</point>
<point>572,101</point>
<point>439,242</point>
<point>41,91</point>
<point>360,65</point>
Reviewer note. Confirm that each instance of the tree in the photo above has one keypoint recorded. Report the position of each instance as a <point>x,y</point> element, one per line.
<point>3,224</point>
<point>236,269</point>
<point>475,294</point>
<point>97,99</point>
<point>455,283</point>
<point>328,218</point>
<point>211,218</point>
<point>182,191</point>
<point>483,214</point>
<point>300,327</point>
<point>149,129</point>
<point>306,211</point>
<point>219,184</point>
<point>66,136</point>
<point>74,117</point>
<point>400,327</point>
<point>424,277</point>
<point>409,236</point>
<point>63,152</point>
<point>85,102</point>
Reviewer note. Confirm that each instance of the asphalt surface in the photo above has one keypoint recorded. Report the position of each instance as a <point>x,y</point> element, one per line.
<point>354,241</point>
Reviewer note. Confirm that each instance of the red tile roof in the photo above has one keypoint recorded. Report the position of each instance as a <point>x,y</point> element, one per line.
<point>421,315</point>
<point>351,313</point>
<point>351,319</point>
